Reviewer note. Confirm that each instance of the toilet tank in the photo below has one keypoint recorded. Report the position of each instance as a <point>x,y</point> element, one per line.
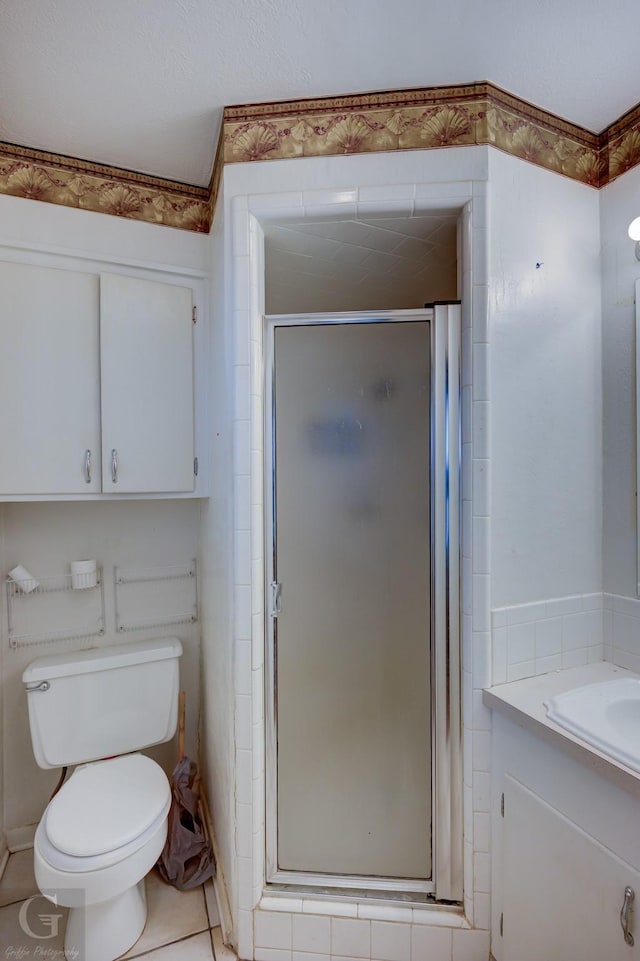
<point>110,700</point>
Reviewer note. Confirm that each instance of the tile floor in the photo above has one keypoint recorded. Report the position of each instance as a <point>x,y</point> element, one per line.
<point>181,926</point>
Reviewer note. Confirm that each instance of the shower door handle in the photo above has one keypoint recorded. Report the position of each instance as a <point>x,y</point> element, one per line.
<point>276,598</point>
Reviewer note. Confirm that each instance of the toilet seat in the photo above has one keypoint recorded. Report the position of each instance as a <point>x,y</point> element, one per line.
<point>104,813</point>
<point>75,865</point>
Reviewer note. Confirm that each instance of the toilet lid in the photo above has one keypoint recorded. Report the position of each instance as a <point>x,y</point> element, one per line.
<point>106,805</point>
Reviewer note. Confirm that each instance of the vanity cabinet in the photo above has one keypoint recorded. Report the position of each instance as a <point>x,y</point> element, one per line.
<point>563,891</point>
<point>96,384</point>
<point>565,839</point>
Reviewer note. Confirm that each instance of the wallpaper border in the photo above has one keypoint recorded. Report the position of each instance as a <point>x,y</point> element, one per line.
<point>56,179</point>
<point>419,119</point>
<point>436,117</point>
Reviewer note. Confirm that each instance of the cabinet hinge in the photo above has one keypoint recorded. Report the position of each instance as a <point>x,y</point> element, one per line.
<point>501,925</point>
<point>195,466</point>
<point>194,314</point>
<point>502,805</point>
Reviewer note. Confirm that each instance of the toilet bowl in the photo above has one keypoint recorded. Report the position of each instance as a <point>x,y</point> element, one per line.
<point>106,827</point>
<point>97,839</point>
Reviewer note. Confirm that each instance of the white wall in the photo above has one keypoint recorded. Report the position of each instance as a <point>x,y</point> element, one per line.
<point>47,227</point>
<point>619,204</point>
<point>545,384</point>
<point>3,616</point>
<point>46,536</point>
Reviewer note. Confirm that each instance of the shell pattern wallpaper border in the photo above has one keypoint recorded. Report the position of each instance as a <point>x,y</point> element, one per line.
<point>433,117</point>
<point>476,113</point>
<point>51,178</point>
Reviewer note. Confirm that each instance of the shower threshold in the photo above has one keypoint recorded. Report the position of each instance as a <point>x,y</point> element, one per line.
<point>378,895</point>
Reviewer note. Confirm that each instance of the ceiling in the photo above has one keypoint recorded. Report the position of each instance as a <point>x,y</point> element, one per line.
<point>141,83</point>
<point>388,264</point>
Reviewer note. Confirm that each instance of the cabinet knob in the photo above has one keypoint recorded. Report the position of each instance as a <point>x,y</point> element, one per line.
<point>625,913</point>
<point>114,466</point>
<point>87,466</point>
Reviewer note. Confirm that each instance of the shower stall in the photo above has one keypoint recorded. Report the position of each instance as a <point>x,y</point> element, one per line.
<point>362,465</point>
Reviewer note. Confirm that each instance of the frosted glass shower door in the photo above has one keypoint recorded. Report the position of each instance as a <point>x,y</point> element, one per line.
<point>351,533</point>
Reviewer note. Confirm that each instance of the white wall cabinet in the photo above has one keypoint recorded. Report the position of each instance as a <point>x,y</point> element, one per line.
<point>96,384</point>
<point>49,380</point>
<point>146,374</point>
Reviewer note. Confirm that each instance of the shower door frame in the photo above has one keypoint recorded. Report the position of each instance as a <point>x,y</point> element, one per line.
<point>445,884</point>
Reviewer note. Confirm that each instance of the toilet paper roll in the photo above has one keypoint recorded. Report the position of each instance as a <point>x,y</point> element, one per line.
<point>83,574</point>
<point>25,581</point>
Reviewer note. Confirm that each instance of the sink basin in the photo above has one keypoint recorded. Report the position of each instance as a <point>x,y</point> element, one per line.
<point>606,715</point>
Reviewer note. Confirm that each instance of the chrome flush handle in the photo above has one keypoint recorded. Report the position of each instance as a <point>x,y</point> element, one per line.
<point>87,466</point>
<point>625,913</point>
<point>114,466</point>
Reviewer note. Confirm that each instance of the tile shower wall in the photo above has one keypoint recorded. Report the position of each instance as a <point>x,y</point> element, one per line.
<point>217,745</point>
<point>521,312</point>
<point>386,186</point>
<point>311,934</point>
<point>562,632</point>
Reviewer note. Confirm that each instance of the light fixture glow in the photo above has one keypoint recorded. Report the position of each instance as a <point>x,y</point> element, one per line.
<point>634,229</point>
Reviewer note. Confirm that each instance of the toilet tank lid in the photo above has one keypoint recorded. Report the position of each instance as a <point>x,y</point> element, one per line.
<point>101,659</point>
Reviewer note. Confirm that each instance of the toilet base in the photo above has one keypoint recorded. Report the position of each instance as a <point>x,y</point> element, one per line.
<point>104,931</point>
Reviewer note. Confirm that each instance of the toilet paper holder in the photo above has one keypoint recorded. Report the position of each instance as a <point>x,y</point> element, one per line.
<point>31,613</point>
<point>23,579</point>
<point>84,574</point>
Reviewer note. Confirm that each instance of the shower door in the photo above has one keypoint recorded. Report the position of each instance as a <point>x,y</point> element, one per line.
<point>352,658</point>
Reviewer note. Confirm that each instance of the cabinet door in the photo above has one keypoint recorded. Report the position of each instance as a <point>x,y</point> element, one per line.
<point>563,891</point>
<point>146,362</point>
<point>49,381</point>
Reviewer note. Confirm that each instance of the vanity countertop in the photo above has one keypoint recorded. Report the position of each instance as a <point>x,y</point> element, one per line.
<point>523,703</point>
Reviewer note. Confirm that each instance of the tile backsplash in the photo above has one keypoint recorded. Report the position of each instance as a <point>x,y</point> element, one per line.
<point>561,632</point>
<point>530,639</point>
<point>622,631</point>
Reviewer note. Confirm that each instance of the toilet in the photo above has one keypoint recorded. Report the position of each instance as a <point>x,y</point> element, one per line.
<point>104,830</point>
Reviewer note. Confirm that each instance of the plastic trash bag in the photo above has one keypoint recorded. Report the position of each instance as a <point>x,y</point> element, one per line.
<point>187,857</point>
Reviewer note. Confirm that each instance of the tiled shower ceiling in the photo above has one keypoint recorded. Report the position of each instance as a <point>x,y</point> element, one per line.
<point>378,264</point>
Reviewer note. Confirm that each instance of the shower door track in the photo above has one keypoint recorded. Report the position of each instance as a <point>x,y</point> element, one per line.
<point>446,879</point>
